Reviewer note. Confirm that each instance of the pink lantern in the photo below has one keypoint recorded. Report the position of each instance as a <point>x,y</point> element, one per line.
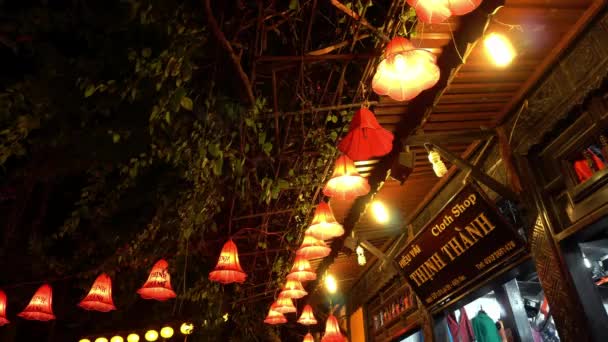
<point>332,331</point>
<point>228,269</point>
<point>346,183</point>
<point>100,295</point>
<point>274,317</point>
<point>3,320</point>
<point>324,225</point>
<point>313,248</point>
<point>40,307</point>
<point>437,11</point>
<point>158,285</point>
<point>365,139</point>
<point>307,317</point>
<point>301,270</point>
<point>284,305</point>
<point>308,338</point>
<point>293,289</point>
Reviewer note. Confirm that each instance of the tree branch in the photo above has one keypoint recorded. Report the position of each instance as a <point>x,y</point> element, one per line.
<point>215,28</point>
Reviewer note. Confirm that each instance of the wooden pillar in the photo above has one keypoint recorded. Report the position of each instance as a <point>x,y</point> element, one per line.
<point>510,299</point>
<point>440,329</point>
<point>427,325</point>
<point>566,308</point>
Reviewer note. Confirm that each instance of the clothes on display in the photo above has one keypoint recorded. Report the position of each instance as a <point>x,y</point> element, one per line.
<point>460,329</point>
<point>484,328</point>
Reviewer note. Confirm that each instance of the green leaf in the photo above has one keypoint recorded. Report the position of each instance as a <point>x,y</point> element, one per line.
<point>267,148</point>
<point>187,103</point>
<point>90,90</point>
<point>217,166</point>
<point>294,5</point>
<point>147,52</point>
<point>283,184</point>
<point>116,137</point>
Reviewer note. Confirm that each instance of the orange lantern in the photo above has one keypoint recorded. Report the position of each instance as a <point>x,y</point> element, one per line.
<point>332,331</point>
<point>307,317</point>
<point>313,248</point>
<point>324,225</point>
<point>308,338</point>
<point>228,269</point>
<point>437,11</point>
<point>405,72</point>
<point>293,289</point>
<point>158,285</point>
<point>100,295</point>
<point>301,270</point>
<point>346,183</point>
<point>366,139</point>
<point>40,307</point>
<point>274,317</point>
<point>3,320</point>
<point>284,305</point>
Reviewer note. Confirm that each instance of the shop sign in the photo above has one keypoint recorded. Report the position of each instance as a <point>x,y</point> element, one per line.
<point>467,240</point>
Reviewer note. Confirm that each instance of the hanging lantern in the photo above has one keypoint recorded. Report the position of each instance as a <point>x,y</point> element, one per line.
<point>324,225</point>
<point>293,289</point>
<point>301,270</point>
<point>228,269</point>
<point>332,331</point>
<point>100,295</point>
<point>366,139</point>
<point>3,320</point>
<point>307,317</point>
<point>40,307</point>
<point>438,165</point>
<point>274,317</point>
<point>313,248</point>
<point>346,183</point>
<point>158,286</point>
<point>405,72</point>
<point>308,338</point>
<point>284,305</point>
<point>437,11</point>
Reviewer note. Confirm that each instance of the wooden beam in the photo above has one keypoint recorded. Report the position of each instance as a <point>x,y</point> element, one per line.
<point>449,138</point>
<point>315,58</point>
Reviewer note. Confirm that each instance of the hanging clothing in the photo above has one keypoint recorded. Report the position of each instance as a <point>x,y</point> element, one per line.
<point>461,329</point>
<point>485,329</point>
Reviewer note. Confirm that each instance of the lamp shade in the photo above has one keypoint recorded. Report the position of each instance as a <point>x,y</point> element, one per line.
<point>274,317</point>
<point>324,225</point>
<point>293,289</point>
<point>332,331</point>
<point>405,72</point>
<point>313,248</point>
<point>366,138</point>
<point>158,285</point>
<point>437,11</point>
<point>3,320</point>
<point>308,338</point>
<point>301,270</point>
<point>228,269</point>
<point>100,295</point>
<point>307,317</point>
<point>284,305</point>
<point>40,307</point>
<point>346,183</point>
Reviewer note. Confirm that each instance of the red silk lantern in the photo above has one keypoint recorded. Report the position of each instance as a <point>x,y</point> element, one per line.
<point>293,289</point>
<point>365,139</point>
<point>274,317</point>
<point>313,248</point>
<point>284,305</point>
<point>40,307</point>
<point>324,225</point>
<point>308,338</point>
<point>158,285</point>
<point>301,270</point>
<point>3,320</point>
<point>405,72</point>
<point>346,183</point>
<point>437,11</point>
<point>228,269</point>
<point>332,331</point>
<point>307,317</point>
<point>100,295</point>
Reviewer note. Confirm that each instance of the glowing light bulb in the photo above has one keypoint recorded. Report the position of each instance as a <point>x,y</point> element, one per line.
<point>500,49</point>
<point>400,64</point>
<point>101,339</point>
<point>331,284</point>
<point>84,340</point>
<point>133,338</point>
<point>586,261</point>
<point>361,260</point>
<point>186,328</point>
<point>380,212</point>
<point>116,339</point>
<point>151,335</point>
<point>438,165</point>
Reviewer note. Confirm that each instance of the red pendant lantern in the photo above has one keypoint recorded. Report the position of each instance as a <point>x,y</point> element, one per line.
<point>346,183</point>
<point>228,269</point>
<point>366,139</point>
<point>405,72</point>
<point>158,286</point>
<point>313,248</point>
<point>100,295</point>
<point>274,317</point>
<point>284,305</point>
<point>324,225</point>
<point>3,320</point>
<point>293,289</point>
<point>437,11</point>
<point>308,338</point>
<point>301,270</point>
<point>332,331</point>
<point>40,307</point>
<point>307,317</point>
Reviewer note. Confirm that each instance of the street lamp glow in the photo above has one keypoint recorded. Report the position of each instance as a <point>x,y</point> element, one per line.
<point>84,340</point>
<point>151,335</point>
<point>133,338</point>
<point>331,284</point>
<point>500,49</point>
<point>186,328</point>
<point>166,332</point>
<point>116,339</point>
<point>101,339</point>
<point>380,212</point>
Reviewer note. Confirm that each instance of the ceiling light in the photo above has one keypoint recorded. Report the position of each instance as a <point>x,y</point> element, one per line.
<point>166,332</point>
<point>151,335</point>
<point>500,49</point>
<point>380,212</point>
<point>331,284</point>
<point>361,256</point>
<point>586,261</point>
<point>133,338</point>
